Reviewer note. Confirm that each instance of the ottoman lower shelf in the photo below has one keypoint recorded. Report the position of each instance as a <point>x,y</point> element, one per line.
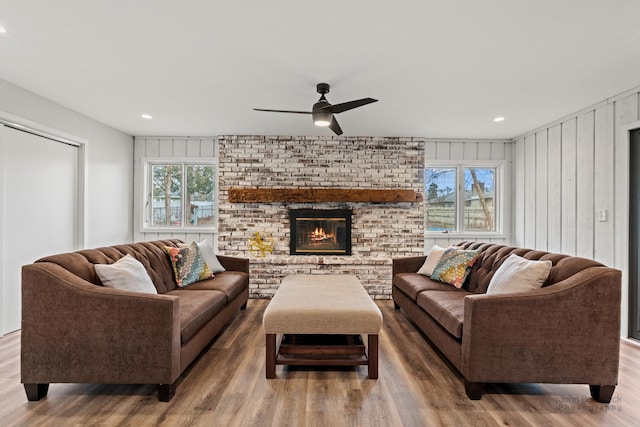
<point>322,350</point>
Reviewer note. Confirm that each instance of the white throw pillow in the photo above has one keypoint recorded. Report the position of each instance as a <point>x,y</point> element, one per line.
<point>430,263</point>
<point>126,274</point>
<point>206,248</point>
<point>519,274</point>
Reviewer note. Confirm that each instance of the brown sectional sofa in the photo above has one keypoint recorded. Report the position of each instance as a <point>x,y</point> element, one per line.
<point>74,330</point>
<point>566,332</point>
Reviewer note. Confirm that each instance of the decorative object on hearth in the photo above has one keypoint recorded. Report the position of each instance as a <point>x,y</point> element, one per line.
<point>261,245</point>
<point>323,112</point>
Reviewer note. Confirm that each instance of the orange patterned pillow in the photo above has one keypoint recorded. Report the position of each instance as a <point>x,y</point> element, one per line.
<point>454,266</point>
<point>189,266</point>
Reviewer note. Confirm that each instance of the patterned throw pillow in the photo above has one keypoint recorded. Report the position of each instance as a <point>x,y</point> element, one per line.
<point>206,249</point>
<point>454,266</point>
<point>188,264</point>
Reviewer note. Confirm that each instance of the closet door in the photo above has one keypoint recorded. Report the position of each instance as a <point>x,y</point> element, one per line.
<point>634,234</point>
<point>39,195</point>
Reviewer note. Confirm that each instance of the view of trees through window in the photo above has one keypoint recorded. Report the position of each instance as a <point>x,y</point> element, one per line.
<point>182,195</point>
<point>472,205</point>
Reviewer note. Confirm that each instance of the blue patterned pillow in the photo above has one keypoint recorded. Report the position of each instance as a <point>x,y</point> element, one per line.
<point>454,266</point>
<point>189,266</point>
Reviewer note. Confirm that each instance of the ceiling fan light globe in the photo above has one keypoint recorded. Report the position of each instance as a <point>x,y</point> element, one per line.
<point>322,118</point>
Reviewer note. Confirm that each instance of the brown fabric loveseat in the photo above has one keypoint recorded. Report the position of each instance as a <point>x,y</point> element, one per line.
<point>74,330</point>
<point>567,332</point>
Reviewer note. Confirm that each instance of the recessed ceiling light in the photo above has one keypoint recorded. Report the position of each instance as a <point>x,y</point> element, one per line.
<point>499,119</point>
<point>147,116</point>
<point>2,30</point>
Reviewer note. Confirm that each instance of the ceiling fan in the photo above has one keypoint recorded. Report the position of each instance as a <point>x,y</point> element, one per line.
<point>323,113</point>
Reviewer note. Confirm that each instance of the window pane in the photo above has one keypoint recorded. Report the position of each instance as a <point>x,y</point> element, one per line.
<point>479,199</point>
<point>440,203</point>
<point>166,190</point>
<point>199,197</point>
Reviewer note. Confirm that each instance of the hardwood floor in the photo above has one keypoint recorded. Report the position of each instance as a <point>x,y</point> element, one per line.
<point>226,386</point>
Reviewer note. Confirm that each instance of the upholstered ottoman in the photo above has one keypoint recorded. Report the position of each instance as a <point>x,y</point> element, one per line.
<point>319,320</point>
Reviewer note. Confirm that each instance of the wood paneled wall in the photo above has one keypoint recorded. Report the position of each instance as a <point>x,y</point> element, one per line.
<point>572,185</point>
<point>460,150</point>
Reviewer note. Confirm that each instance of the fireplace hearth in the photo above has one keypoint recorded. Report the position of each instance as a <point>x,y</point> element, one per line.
<point>320,231</point>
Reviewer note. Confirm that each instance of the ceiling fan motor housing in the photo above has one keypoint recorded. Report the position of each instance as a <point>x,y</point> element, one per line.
<point>322,88</point>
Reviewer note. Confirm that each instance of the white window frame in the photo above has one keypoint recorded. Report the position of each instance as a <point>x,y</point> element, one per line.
<point>499,197</point>
<point>147,207</point>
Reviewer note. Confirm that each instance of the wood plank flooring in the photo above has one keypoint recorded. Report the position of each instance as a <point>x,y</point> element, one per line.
<point>226,386</point>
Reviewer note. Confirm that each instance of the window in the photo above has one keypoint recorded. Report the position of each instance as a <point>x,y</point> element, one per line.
<point>180,195</point>
<point>462,198</point>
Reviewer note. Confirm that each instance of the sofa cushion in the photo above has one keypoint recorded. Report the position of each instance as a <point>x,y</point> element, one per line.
<point>454,266</point>
<point>446,307</point>
<point>126,274</point>
<point>206,247</point>
<point>519,274</point>
<point>197,307</point>
<point>432,260</point>
<point>230,283</point>
<point>413,283</point>
<point>189,266</point>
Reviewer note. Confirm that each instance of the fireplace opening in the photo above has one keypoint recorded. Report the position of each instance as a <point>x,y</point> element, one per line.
<point>320,231</point>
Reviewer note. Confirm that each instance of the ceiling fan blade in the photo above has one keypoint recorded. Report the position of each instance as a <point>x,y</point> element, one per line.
<point>335,127</point>
<point>339,108</point>
<point>283,111</point>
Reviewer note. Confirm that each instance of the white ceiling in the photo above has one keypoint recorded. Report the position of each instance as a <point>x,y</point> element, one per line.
<point>439,68</point>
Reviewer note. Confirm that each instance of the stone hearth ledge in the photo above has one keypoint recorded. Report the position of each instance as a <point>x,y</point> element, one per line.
<point>320,260</point>
<point>267,273</point>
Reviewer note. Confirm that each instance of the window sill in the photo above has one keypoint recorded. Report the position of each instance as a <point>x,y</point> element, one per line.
<point>209,230</point>
<point>464,235</point>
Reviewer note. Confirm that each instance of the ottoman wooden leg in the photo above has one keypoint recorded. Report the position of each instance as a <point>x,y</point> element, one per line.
<point>270,356</point>
<point>373,356</point>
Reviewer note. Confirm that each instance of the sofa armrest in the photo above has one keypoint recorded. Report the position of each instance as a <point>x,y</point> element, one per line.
<point>234,263</point>
<point>407,264</point>
<point>568,332</point>
<point>75,331</point>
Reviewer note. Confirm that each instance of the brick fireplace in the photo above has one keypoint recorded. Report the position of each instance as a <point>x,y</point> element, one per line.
<point>379,232</point>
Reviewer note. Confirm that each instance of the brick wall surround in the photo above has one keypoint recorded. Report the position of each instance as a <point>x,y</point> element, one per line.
<point>380,231</point>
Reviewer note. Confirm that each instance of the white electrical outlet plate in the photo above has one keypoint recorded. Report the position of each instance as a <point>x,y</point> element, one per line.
<point>602,215</point>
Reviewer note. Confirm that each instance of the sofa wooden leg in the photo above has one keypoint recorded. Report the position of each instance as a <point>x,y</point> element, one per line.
<point>166,392</point>
<point>602,393</point>
<point>36,391</point>
<point>244,306</point>
<point>474,390</point>
<point>396,306</point>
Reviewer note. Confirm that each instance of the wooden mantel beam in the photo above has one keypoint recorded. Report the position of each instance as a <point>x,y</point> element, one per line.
<point>316,195</point>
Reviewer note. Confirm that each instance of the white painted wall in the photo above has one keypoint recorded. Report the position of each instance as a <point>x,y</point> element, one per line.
<point>109,203</point>
<point>459,151</point>
<point>567,174</point>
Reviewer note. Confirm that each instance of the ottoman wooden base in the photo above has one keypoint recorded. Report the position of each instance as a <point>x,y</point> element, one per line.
<point>321,350</point>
